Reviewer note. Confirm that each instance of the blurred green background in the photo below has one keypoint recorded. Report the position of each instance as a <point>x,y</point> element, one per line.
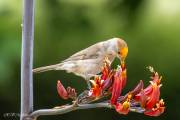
<point>63,27</point>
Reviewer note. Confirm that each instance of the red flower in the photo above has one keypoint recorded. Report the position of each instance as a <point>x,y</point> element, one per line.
<point>138,88</point>
<point>102,82</point>
<point>118,84</point>
<point>65,93</point>
<point>107,83</point>
<point>123,108</point>
<point>158,110</point>
<point>96,89</point>
<point>61,90</point>
<point>154,96</point>
<point>149,97</point>
<point>148,90</point>
<point>112,82</point>
<point>106,69</point>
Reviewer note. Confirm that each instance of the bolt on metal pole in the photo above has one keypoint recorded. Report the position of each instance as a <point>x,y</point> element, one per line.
<point>27,59</point>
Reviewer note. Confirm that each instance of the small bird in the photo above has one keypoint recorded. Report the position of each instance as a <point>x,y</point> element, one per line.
<point>88,62</point>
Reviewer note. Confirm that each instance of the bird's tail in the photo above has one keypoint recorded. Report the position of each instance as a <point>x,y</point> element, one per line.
<point>46,68</point>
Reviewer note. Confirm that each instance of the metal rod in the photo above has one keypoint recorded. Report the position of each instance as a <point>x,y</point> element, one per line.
<point>27,59</point>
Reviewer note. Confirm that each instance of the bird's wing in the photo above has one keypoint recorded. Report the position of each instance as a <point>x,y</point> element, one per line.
<point>91,52</point>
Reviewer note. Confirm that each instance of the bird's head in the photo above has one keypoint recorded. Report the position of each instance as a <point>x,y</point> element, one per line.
<point>122,50</point>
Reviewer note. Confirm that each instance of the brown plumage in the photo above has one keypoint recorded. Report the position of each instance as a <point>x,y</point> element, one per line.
<point>88,62</point>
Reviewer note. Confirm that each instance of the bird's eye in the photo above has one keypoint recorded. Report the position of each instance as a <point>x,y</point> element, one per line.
<point>119,52</point>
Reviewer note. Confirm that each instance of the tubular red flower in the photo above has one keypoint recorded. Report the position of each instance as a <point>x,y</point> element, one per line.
<point>124,107</point>
<point>66,93</point>
<point>158,110</point>
<point>143,99</point>
<point>106,69</point>
<point>148,90</point>
<point>103,82</point>
<point>105,72</point>
<point>156,79</point>
<point>138,88</point>
<point>117,87</point>
<point>96,89</point>
<point>148,99</point>
<point>154,96</point>
<point>71,93</point>
<point>118,84</point>
<point>107,83</point>
<point>155,76</point>
<point>133,92</point>
<point>61,90</point>
<point>113,81</point>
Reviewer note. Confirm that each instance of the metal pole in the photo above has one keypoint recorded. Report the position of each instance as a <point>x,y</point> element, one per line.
<point>27,59</point>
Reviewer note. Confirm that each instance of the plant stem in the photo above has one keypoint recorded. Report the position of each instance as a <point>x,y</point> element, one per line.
<point>27,59</point>
<point>68,108</point>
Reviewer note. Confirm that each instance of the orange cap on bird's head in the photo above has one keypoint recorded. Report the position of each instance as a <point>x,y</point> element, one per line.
<point>122,49</point>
